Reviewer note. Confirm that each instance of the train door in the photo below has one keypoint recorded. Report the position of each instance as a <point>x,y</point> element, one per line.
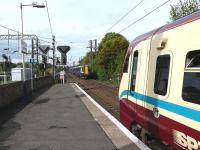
<point>132,96</point>
<point>160,91</point>
<point>137,84</point>
<point>133,74</point>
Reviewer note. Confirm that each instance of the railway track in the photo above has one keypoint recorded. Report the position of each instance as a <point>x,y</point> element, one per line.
<point>104,94</point>
<point>107,97</point>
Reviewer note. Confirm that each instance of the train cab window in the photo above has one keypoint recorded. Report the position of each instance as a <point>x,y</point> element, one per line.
<point>134,71</point>
<point>162,74</point>
<point>191,81</point>
<point>125,69</point>
<point>193,59</point>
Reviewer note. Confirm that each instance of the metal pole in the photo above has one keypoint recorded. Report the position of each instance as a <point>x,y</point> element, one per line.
<point>37,47</point>
<point>63,79</point>
<point>4,75</point>
<point>91,56</point>
<point>8,40</point>
<point>32,61</point>
<point>53,44</point>
<point>95,46</point>
<point>18,41</point>
<point>24,78</point>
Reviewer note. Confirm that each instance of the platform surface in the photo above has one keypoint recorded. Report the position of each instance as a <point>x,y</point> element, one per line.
<point>62,118</point>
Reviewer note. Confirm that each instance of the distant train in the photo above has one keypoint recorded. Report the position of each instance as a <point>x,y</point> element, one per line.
<point>159,93</point>
<point>80,71</point>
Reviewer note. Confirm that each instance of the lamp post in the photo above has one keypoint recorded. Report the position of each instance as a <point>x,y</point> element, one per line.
<point>21,5</point>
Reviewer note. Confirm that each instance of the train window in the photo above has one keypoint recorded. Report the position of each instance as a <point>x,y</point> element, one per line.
<point>195,62</point>
<point>191,87</point>
<point>162,74</point>
<point>193,59</point>
<point>134,70</point>
<point>125,69</point>
<point>191,82</point>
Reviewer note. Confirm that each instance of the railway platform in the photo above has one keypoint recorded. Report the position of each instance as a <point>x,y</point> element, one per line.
<point>64,118</point>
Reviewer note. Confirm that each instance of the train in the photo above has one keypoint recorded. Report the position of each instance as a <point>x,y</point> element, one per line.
<point>159,92</point>
<point>82,71</point>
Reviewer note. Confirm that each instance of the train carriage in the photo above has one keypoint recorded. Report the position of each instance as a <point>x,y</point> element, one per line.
<point>159,92</point>
<point>81,71</point>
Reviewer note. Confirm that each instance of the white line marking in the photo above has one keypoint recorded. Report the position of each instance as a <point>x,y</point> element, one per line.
<point>133,138</point>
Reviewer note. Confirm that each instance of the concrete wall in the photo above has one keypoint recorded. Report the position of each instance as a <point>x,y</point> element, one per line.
<point>14,91</point>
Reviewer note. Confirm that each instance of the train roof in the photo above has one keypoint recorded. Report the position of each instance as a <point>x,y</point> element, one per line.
<point>73,67</point>
<point>169,26</point>
<point>80,66</point>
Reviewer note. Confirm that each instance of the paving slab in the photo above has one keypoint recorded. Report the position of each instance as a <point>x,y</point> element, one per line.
<point>56,120</point>
<point>118,134</point>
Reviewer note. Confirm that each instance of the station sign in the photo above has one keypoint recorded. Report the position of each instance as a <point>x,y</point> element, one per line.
<point>44,48</point>
<point>63,49</point>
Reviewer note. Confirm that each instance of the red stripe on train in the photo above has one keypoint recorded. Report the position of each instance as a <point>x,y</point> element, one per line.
<point>161,127</point>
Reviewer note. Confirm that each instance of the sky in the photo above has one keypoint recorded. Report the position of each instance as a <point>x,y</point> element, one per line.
<point>75,22</point>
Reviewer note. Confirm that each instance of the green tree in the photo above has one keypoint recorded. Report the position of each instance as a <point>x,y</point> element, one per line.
<point>109,60</point>
<point>20,65</point>
<point>86,59</point>
<point>184,8</point>
<point>6,66</point>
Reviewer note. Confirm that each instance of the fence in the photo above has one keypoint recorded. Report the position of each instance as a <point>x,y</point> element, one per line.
<point>15,91</point>
<point>5,77</point>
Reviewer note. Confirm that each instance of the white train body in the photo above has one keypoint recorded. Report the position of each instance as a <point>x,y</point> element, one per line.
<point>160,85</point>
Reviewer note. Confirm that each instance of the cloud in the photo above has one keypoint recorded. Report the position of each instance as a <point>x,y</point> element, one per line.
<point>79,21</point>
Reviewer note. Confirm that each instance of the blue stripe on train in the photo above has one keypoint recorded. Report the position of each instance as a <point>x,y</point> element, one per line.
<point>180,110</point>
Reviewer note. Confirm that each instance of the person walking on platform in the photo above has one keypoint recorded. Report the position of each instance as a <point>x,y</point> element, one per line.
<point>62,77</point>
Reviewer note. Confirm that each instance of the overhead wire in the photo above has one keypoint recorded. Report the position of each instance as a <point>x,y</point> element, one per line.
<point>49,18</point>
<point>39,37</point>
<point>48,38</point>
<point>144,16</point>
<point>125,15</point>
<point>44,41</point>
<point>9,29</point>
